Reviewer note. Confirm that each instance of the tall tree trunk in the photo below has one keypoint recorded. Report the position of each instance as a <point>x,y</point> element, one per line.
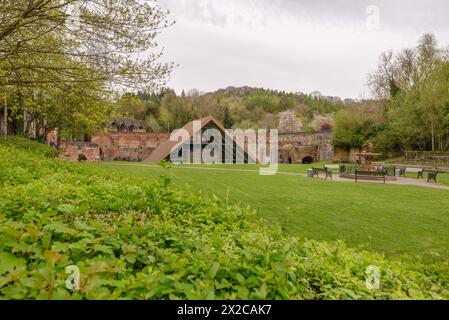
<point>5,116</point>
<point>25,123</point>
<point>1,125</point>
<point>433,133</point>
<point>37,129</point>
<point>58,137</point>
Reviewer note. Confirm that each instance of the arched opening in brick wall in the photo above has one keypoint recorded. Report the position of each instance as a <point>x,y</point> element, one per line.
<point>307,160</point>
<point>123,128</point>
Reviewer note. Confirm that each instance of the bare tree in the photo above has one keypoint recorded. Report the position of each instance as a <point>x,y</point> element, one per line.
<point>406,70</point>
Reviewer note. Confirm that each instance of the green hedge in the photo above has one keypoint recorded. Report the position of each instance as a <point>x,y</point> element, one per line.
<point>133,239</point>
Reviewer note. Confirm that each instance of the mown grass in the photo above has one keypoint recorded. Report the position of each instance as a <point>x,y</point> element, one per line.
<point>386,218</point>
<point>443,178</point>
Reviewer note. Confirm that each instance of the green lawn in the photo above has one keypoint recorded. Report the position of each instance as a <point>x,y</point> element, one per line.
<point>297,168</point>
<point>386,218</point>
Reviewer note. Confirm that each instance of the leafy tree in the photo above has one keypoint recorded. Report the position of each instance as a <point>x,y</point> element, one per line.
<point>131,105</point>
<point>268,102</point>
<point>35,40</point>
<point>47,60</point>
<point>415,86</point>
<point>356,125</point>
<point>227,118</point>
<point>286,102</point>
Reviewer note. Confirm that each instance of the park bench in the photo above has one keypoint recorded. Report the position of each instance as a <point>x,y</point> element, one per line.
<point>348,169</point>
<point>333,167</point>
<point>418,171</point>
<point>370,175</point>
<point>432,176</point>
<point>317,171</point>
<point>389,171</point>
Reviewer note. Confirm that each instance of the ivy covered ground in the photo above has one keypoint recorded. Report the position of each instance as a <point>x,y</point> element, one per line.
<point>134,238</point>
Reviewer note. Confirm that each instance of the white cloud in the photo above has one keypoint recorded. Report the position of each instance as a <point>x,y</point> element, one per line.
<point>289,45</point>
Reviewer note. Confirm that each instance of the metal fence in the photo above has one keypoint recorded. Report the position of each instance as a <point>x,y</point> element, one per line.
<point>427,156</point>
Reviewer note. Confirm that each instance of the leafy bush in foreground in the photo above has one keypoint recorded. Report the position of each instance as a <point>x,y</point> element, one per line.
<point>133,239</point>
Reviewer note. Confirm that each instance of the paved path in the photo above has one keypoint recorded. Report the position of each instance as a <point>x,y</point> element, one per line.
<point>336,178</point>
<point>401,181</point>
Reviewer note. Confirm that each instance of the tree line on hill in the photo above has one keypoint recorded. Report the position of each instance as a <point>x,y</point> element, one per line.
<point>235,107</point>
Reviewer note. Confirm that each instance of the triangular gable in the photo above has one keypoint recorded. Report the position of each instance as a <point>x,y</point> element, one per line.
<point>164,150</point>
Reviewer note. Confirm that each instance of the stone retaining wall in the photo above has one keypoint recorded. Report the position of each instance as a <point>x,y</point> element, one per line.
<point>79,151</point>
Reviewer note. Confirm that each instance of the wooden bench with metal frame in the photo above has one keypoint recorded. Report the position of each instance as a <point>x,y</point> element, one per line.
<point>418,171</point>
<point>432,176</point>
<point>370,175</point>
<point>317,171</point>
<point>331,167</point>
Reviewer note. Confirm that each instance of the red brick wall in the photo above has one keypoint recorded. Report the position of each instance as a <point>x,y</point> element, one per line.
<point>297,146</point>
<point>72,151</point>
<point>128,146</point>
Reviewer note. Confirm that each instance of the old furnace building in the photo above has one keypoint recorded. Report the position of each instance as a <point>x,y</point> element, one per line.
<point>126,140</point>
<point>131,140</point>
<point>305,147</point>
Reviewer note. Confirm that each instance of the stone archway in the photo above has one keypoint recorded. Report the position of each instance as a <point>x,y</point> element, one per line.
<point>307,160</point>
<point>123,128</point>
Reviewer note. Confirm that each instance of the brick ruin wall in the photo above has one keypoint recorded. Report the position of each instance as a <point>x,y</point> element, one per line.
<point>128,146</point>
<point>305,147</point>
<point>137,146</point>
<point>114,146</point>
<point>77,151</point>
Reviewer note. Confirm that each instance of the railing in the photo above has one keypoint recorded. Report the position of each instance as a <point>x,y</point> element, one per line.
<point>351,169</point>
<point>427,156</point>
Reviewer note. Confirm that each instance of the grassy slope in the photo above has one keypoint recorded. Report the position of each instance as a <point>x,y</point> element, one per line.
<point>390,219</point>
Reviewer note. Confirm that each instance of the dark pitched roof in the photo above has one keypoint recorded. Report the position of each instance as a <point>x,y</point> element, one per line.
<point>128,122</point>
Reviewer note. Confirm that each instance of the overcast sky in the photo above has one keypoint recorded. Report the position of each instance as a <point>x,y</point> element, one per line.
<point>293,45</point>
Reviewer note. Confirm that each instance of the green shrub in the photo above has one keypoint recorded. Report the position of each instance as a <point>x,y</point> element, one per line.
<point>133,239</point>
